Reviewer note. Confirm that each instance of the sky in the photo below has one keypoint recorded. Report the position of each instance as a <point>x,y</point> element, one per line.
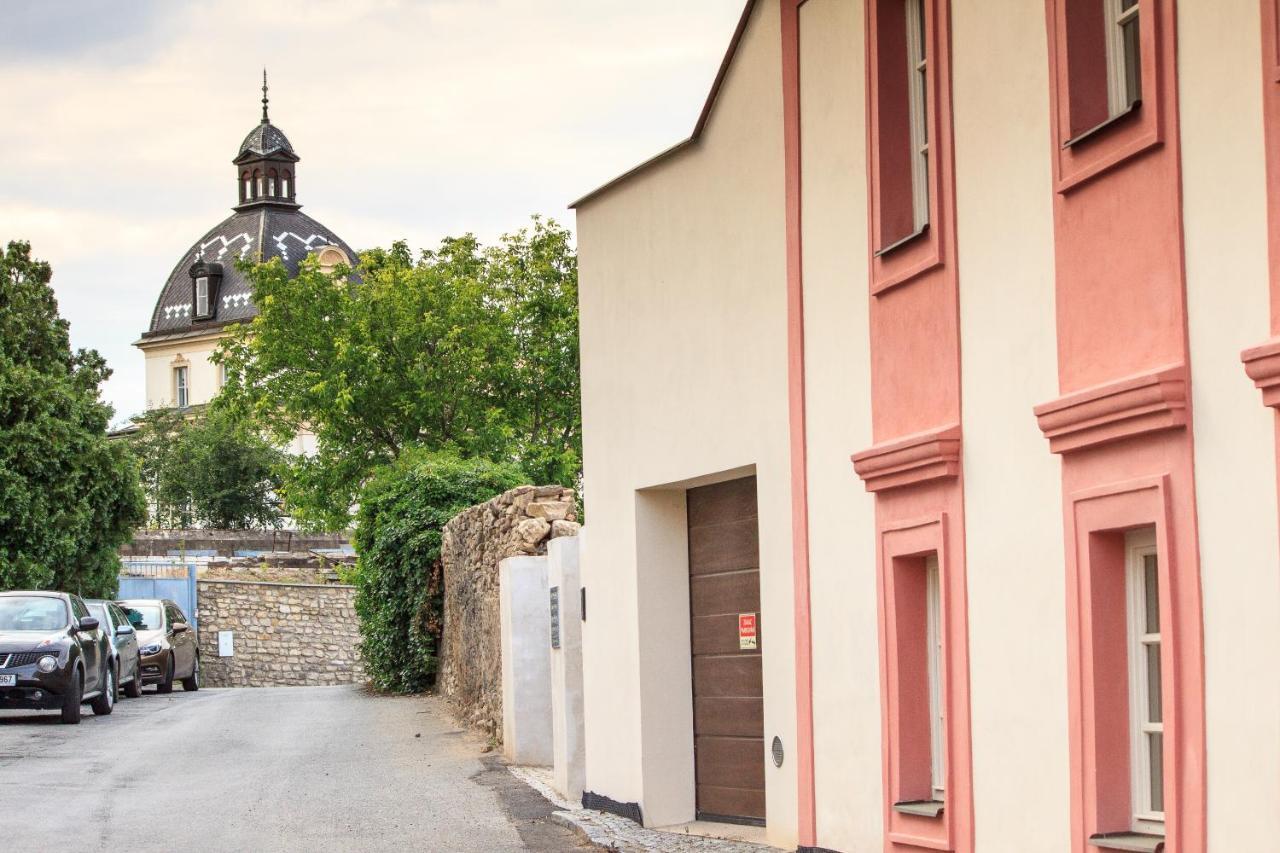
<point>414,119</point>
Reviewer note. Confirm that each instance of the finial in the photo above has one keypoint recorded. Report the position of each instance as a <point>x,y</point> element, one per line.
<point>265,120</point>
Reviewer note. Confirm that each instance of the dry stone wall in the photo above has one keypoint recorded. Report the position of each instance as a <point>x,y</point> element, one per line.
<point>518,522</point>
<point>282,634</point>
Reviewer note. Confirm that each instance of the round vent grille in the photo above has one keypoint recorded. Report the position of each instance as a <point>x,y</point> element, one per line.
<point>777,751</point>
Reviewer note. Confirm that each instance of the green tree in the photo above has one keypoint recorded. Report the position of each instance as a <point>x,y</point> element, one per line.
<point>208,471</point>
<point>399,530</point>
<point>468,349</point>
<point>69,496</point>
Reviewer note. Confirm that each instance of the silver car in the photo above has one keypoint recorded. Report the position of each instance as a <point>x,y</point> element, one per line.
<point>124,645</point>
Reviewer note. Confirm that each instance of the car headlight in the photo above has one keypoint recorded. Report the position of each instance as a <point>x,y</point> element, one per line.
<point>48,663</point>
<point>148,650</point>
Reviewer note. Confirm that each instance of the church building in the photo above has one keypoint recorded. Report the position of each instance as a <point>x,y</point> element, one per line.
<point>206,293</point>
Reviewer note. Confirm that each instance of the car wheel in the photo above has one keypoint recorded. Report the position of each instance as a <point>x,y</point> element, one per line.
<point>192,682</point>
<point>105,702</point>
<point>166,686</point>
<point>134,688</point>
<point>71,701</point>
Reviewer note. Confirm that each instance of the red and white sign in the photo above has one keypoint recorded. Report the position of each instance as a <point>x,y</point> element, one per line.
<point>747,636</point>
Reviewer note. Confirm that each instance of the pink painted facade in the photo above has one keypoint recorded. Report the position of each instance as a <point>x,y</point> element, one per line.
<point>995,345</point>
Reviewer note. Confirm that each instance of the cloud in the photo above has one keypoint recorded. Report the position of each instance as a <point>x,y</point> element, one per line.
<point>413,118</point>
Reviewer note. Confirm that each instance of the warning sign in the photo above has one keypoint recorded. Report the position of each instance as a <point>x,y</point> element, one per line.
<point>747,635</point>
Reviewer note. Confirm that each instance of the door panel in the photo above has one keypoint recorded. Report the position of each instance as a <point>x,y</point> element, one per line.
<point>728,688</point>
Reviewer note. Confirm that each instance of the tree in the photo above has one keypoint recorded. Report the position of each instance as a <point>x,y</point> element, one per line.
<point>208,471</point>
<point>468,349</point>
<point>398,578</point>
<point>69,496</point>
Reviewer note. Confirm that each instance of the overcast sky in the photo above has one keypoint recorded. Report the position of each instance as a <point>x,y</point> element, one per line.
<point>414,119</point>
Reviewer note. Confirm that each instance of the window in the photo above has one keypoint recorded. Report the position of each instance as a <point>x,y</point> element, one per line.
<point>901,67</point>
<point>284,186</point>
<point>222,375</point>
<point>180,387</point>
<point>917,75</point>
<point>1124,56</point>
<point>246,188</point>
<point>271,183</point>
<point>933,631</point>
<point>202,296</point>
<point>257,179</point>
<point>1146,730</point>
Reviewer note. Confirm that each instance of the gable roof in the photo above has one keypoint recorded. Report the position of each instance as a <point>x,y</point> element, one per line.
<point>701,124</point>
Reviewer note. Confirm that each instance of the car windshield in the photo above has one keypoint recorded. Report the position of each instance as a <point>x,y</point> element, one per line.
<point>143,617</point>
<point>32,613</point>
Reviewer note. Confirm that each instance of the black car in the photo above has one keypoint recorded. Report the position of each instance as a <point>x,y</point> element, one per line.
<point>53,655</point>
<point>124,645</point>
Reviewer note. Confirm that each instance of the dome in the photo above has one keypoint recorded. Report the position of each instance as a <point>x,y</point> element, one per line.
<point>264,232</point>
<point>264,139</point>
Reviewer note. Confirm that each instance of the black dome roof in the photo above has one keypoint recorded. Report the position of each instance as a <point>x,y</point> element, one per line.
<point>266,138</point>
<point>260,233</point>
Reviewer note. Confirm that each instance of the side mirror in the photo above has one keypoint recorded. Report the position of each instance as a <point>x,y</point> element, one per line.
<point>179,627</point>
<point>124,630</point>
<point>88,623</point>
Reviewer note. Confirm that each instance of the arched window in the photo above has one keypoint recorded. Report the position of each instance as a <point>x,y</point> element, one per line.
<point>258,184</point>
<point>246,188</point>
<point>286,186</point>
<point>271,183</point>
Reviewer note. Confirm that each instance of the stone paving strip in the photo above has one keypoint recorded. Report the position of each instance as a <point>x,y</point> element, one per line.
<point>612,832</point>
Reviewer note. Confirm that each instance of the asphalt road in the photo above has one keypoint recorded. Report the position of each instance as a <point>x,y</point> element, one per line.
<point>274,769</point>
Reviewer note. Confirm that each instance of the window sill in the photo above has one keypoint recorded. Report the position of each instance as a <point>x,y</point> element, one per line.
<point>1098,128</point>
<point>899,243</point>
<point>1138,842</point>
<point>920,808</point>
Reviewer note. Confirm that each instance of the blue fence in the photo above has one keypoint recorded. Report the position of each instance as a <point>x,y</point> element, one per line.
<point>161,577</point>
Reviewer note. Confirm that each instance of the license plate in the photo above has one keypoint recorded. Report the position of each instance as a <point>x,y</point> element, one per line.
<point>8,680</point>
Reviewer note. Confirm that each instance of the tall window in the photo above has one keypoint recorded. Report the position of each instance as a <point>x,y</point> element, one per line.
<point>246,189</point>
<point>917,71</point>
<point>1124,56</point>
<point>261,186</point>
<point>937,717</point>
<point>284,185</point>
<point>202,296</point>
<point>271,183</point>
<point>180,390</point>
<point>1146,737</point>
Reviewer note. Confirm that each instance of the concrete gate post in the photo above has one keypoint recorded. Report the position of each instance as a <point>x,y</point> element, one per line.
<point>526,667</point>
<point>564,580</point>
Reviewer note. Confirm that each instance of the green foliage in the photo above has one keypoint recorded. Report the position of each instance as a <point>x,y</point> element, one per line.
<point>468,349</point>
<point>69,496</point>
<point>207,471</point>
<point>400,523</point>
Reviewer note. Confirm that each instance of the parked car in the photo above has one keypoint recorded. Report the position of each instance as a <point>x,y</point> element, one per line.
<point>125,656</point>
<point>54,655</point>
<point>166,641</point>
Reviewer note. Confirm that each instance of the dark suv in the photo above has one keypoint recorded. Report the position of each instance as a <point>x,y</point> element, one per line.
<point>53,654</point>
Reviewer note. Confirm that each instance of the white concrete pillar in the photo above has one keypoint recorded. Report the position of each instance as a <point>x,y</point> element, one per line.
<point>564,581</point>
<point>526,666</point>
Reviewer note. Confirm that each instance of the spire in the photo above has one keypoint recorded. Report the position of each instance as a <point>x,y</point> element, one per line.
<point>265,120</point>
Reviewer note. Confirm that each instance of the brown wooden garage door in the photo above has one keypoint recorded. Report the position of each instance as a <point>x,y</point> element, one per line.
<point>728,691</point>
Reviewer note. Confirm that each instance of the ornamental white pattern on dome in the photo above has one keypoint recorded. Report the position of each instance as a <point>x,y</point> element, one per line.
<point>238,300</point>
<point>172,311</point>
<point>322,239</point>
<point>226,245</point>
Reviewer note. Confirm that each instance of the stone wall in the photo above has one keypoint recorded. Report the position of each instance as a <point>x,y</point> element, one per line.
<point>159,543</point>
<point>517,522</point>
<point>283,634</point>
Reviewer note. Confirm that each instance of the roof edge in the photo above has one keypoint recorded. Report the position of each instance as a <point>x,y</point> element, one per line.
<point>707,106</point>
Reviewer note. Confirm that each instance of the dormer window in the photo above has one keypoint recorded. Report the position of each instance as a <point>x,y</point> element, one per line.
<point>202,297</point>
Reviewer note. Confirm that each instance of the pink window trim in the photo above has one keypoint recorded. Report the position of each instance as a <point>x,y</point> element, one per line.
<point>1128,138</point>
<point>928,251</point>
<point>1100,782</point>
<point>910,541</point>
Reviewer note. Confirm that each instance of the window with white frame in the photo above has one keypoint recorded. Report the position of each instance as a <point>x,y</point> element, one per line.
<point>937,716</point>
<point>180,390</point>
<point>1124,55</point>
<point>1146,727</point>
<point>917,70</point>
<point>202,296</point>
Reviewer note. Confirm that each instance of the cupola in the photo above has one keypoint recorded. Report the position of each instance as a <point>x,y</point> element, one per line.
<point>266,166</point>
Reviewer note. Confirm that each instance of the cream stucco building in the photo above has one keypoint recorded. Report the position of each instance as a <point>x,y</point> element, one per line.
<point>930,505</point>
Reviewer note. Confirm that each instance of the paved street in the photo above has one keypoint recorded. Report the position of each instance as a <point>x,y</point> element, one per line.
<point>296,768</point>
